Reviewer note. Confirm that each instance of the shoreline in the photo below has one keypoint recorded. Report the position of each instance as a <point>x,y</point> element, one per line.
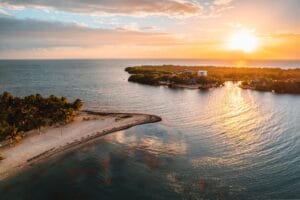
<point>88,125</point>
<point>207,88</point>
<point>191,87</point>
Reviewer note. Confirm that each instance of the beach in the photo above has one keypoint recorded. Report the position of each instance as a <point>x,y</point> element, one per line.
<point>88,125</point>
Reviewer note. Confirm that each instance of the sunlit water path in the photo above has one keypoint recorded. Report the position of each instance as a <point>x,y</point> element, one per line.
<point>224,143</point>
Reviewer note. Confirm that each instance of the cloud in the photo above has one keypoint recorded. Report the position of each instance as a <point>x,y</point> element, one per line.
<point>129,7</point>
<point>30,34</point>
<point>222,2</point>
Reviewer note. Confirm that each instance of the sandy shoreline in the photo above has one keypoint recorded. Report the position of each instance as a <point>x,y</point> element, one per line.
<point>53,140</point>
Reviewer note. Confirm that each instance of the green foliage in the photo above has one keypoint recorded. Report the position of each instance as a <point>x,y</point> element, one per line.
<point>19,115</point>
<point>144,79</point>
<point>77,105</point>
<point>228,73</point>
<point>155,75</point>
<point>290,86</point>
<point>263,79</point>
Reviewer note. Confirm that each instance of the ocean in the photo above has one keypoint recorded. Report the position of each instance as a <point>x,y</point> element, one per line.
<point>225,143</point>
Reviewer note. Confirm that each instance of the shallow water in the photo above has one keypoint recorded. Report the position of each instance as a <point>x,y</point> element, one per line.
<point>225,143</point>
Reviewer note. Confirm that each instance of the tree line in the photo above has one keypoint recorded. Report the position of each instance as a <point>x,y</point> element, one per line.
<point>21,114</point>
<point>262,79</point>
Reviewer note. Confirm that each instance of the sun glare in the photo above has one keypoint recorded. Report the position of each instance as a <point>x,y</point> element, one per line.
<point>243,40</point>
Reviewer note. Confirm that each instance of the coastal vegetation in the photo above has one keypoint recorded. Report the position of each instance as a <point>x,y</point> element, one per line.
<point>172,76</point>
<point>262,79</point>
<point>277,86</point>
<point>21,114</point>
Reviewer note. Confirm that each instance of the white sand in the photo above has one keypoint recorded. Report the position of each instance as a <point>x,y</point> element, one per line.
<point>52,140</point>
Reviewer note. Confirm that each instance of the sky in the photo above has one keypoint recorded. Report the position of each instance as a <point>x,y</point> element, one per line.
<point>198,29</point>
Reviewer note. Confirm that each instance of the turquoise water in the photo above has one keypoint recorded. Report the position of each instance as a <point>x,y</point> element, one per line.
<point>225,143</point>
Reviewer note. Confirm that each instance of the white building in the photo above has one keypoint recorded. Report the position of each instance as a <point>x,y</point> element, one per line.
<point>202,73</point>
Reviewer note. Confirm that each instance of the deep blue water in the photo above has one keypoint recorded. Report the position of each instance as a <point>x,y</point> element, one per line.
<point>226,143</point>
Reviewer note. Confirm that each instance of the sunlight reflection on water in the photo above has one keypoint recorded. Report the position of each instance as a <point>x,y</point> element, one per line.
<point>223,143</point>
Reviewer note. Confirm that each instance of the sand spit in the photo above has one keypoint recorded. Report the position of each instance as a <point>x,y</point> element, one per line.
<point>53,140</point>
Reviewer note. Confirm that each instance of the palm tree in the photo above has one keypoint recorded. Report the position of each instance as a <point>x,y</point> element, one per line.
<point>19,115</point>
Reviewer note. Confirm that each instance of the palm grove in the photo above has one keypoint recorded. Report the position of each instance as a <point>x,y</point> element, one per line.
<point>18,115</point>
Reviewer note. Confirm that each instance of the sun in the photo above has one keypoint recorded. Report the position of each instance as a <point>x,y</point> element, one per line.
<point>243,40</point>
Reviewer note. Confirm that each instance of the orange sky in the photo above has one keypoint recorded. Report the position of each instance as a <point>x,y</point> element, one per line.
<point>149,29</point>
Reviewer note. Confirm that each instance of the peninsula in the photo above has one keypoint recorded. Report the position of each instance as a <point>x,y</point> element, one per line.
<point>21,147</point>
<point>205,77</point>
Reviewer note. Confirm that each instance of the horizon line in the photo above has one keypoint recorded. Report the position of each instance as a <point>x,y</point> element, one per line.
<point>205,59</point>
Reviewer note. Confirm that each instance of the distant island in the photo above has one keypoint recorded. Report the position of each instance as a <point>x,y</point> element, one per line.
<point>277,80</point>
<point>35,127</point>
